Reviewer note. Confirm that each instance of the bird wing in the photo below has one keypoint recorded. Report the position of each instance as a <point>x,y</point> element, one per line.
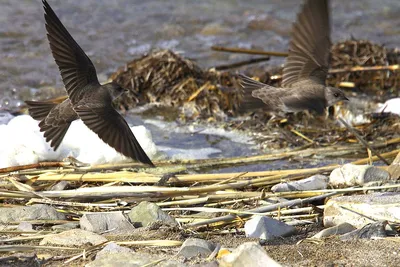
<point>111,127</point>
<point>76,68</point>
<point>310,45</point>
<point>302,102</point>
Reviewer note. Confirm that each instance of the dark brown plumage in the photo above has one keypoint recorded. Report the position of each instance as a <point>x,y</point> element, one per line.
<point>88,100</point>
<point>305,70</point>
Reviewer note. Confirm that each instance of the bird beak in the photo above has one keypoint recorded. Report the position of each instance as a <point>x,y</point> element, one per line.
<point>345,98</point>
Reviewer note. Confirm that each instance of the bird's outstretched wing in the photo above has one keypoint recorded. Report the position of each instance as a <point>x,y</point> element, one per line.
<point>76,68</point>
<point>111,127</point>
<point>310,45</point>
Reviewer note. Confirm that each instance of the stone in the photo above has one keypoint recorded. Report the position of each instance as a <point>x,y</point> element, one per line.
<point>111,222</point>
<point>315,182</point>
<point>146,213</point>
<point>340,229</point>
<point>193,247</point>
<point>369,231</point>
<point>359,210</point>
<point>351,175</point>
<point>113,248</point>
<point>114,256</point>
<point>30,213</point>
<point>73,238</point>
<point>61,185</point>
<point>215,29</point>
<point>25,227</point>
<point>248,254</point>
<point>264,227</point>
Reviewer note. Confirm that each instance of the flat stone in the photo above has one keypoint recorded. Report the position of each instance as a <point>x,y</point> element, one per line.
<point>357,209</point>
<point>112,248</point>
<point>351,175</point>
<point>315,182</point>
<point>111,222</point>
<point>30,213</point>
<point>340,229</point>
<point>146,213</point>
<point>74,238</point>
<point>248,254</point>
<point>61,185</point>
<point>264,227</point>
<point>193,247</point>
<point>25,226</point>
<point>372,230</point>
<point>129,259</point>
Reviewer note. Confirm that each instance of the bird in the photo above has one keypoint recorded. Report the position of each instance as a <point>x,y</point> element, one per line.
<point>87,100</point>
<point>305,69</point>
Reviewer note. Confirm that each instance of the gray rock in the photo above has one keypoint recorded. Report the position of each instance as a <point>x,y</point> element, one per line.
<point>248,254</point>
<point>315,182</point>
<point>65,226</point>
<point>113,248</point>
<point>351,175</point>
<point>147,213</point>
<point>264,227</point>
<point>193,247</point>
<point>74,238</point>
<point>25,226</point>
<point>340,229</point>
<point>359,210</point>
<point>125,258</point>
<point>30,213</point>
<point>110,222</point>
<point>372,230</point>
<point>61,185</point>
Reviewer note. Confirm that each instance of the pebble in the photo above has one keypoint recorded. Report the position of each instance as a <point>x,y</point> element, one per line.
<point>30,213</point>
<point>248,254</point>
<point>25,227</point>
<point>351,175</point>
<point>193,247</point>
<point>340,229</point>
<point>315,182</point>
<point>110,222</point>
<point>264,227</point>
<point>369,231</point>
<point>146,213</point>
<point>73,238</point>
<point>357,209</point>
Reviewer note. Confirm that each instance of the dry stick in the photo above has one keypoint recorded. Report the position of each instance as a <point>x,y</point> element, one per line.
<point>262,209</point>
<point>241,63</point>
<point>369,68</point>
<point>363,141</point>
<point>248,51</point>
<point>35,166</point>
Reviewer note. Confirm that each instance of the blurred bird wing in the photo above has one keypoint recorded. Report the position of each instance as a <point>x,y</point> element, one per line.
<point>248,83</point>
<point>76,68</point>
<point>111,127</point>
<point>310,45</point>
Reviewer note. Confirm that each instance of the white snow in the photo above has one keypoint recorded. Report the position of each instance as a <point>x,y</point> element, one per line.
<point>21,142</point>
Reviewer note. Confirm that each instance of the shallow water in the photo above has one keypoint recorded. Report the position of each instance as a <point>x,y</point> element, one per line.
<point>112,32</point>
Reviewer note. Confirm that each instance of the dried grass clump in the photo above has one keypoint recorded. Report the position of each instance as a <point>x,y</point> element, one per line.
<point>170,79</point>
<point>347,55</point>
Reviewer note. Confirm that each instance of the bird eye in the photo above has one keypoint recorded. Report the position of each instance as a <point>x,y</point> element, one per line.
<point>336,95</point>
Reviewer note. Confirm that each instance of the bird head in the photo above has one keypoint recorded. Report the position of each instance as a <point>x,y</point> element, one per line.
<point>334,95</point>
<point>115,90</point>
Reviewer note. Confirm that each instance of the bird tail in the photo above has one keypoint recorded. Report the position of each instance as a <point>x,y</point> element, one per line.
<point>249,103</point>
<point>40,109</point>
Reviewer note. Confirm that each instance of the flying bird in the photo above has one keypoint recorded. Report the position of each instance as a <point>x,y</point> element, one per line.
<point>305,69</point>
<point>87,100</point>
